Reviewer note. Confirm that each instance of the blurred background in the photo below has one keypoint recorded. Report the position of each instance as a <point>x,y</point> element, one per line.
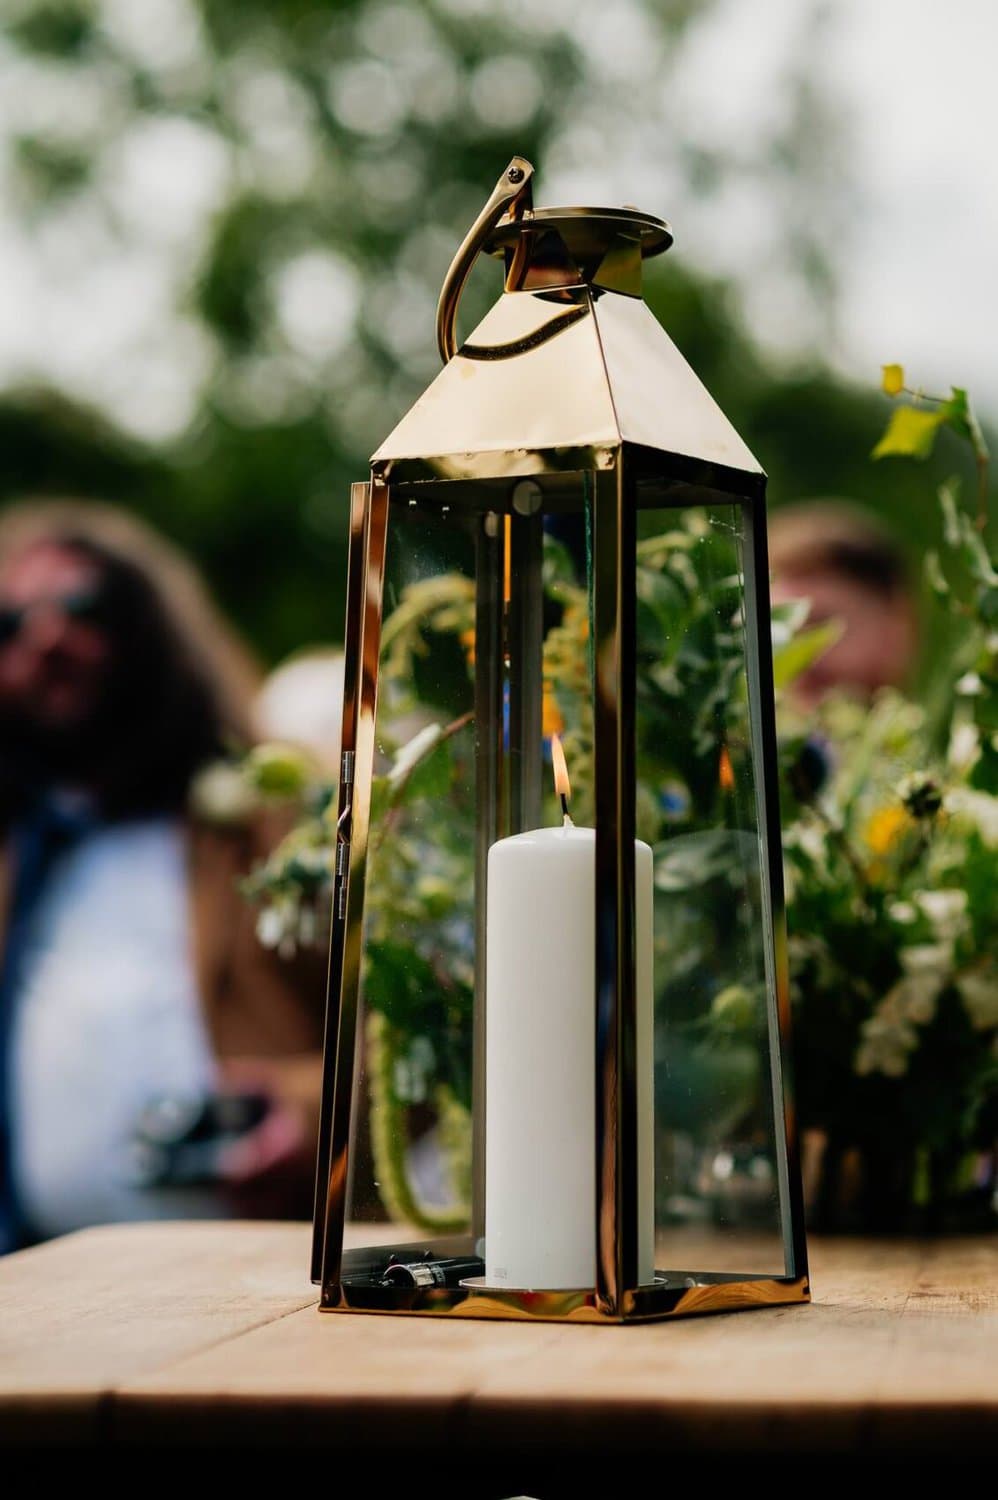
<point>226,226</point>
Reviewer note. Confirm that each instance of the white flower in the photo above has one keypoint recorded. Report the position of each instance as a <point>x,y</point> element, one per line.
<point>910,1002</point>
<point>902,912</point>
<point>874,1059</point>
<point>916,997</point>
<point>308,926</point>
<point>978,808</point>
<point>313,861</point>
<point>946,911</point>
<point>271,926</point>
<point>220,793</point>
<point>969,685</point>
<point>809,838</point>
<point>926,958</point>
<point>979,993</point>
<point>412,753</point>
<point>886,1054</point>
<point>964,746</point>
<point>889,1036</point>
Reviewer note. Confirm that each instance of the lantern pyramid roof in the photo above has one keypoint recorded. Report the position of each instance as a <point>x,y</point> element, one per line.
<point>556,370</point>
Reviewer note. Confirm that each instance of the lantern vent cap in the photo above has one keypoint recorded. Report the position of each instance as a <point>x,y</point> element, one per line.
<point>585,232</point>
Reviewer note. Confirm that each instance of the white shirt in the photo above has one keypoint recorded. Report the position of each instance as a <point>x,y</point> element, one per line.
<point>106,1020</point>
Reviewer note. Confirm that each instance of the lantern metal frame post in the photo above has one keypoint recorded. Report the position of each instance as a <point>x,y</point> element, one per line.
<point>614,532</point>
<point>489,575</point>
<point>360,691</point>
<point>359,495</point>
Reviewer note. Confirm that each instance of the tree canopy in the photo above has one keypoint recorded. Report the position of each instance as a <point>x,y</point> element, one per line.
<point>265,195</point>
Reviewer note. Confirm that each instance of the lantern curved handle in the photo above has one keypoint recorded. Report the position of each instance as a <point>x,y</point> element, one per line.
<point>513,194</point>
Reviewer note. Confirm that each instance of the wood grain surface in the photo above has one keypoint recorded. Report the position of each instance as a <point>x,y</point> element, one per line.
<point>208,1333</point>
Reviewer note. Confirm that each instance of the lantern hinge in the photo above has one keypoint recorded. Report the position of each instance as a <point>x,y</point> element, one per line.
<point>341,870</point>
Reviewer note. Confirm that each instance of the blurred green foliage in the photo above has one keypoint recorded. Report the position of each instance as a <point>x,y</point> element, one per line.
<point>359,140</point>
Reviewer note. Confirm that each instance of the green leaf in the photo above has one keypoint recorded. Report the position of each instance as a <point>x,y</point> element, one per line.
<point>961,534</point>
<point>278,770</point>
<point>787,620</point>
<point>949,495</point>
<point>934,575</point>
<point>984,774</point>
<point>402,984</point>
<point>796,656</point>
<point>958,413</point>
<point>692,859</point>
<point>558,567</point>
<point>987,604</point>
<point>911,433</point>
<point>381,800</point>
<point>430,777</point>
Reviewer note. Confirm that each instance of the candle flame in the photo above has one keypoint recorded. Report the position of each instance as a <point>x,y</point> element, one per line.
<point>562,785</point>
<point>725,771</point>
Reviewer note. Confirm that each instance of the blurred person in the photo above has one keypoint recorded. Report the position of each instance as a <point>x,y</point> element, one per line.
<point>130,968</point>
<point>850,568</point>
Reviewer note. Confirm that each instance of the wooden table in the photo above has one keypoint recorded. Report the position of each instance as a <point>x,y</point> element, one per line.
<point>208,1333</point>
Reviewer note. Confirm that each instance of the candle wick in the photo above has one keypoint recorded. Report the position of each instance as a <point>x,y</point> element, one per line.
<point>566,816</point>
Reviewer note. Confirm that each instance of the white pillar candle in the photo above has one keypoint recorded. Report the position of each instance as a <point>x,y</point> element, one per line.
<point>540,1110</point>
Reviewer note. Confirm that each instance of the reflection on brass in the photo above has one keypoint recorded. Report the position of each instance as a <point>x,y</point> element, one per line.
<point>610,375</point>
<point>341,1022</point>
<point>569,399</point>
<point>647,1304</point>
<point>530,341</point>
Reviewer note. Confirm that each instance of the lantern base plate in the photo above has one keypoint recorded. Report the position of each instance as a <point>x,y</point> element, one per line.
<point>483,1284</point>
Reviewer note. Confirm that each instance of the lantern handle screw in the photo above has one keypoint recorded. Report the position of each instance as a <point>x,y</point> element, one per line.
<point>512,194</point>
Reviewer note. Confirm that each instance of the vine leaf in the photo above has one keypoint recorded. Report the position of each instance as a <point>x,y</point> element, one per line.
<point>911,433</point>
<point>793,658</point>
<point>960,415</point>
<point>912,430</point>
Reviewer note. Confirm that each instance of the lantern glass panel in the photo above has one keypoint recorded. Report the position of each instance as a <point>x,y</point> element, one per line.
<point>718,1191</point>
<point>486,652</point>
<point>410,1166</point>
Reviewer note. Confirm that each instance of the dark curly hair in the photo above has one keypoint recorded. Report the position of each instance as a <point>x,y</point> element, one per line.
<point>180,685</point>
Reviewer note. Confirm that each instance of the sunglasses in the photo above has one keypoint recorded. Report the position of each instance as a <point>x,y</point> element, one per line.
<point>86,605</point>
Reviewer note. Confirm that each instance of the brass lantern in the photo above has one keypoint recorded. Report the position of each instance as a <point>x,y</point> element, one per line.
<point>557,1040</point>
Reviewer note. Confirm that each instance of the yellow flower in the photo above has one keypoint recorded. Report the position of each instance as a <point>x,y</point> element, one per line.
<point>885,827</point>
<point>883,832</point>
<point>892,379</point>
<point>467,639</point>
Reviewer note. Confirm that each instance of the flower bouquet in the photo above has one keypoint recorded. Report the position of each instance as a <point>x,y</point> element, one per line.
<point>891,852</point>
